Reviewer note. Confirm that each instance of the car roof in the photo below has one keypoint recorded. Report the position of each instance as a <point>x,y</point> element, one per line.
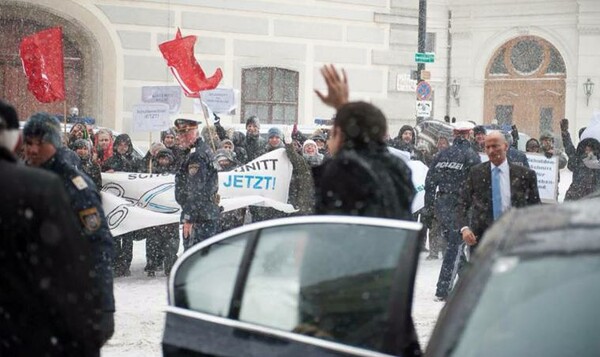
<point>567,228</point>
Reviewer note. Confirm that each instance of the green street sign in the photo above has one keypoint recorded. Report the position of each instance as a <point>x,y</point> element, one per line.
<point>421,57</point>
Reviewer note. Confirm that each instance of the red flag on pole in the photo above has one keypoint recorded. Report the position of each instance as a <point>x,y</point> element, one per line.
<point>179,54</point>
<point>42,58</point>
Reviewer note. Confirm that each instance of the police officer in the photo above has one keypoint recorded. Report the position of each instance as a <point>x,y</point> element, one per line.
<point>447,173</point>
<point>196,185</point>
<point>42,149</point>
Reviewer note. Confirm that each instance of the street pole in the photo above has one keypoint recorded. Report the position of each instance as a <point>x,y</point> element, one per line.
<point>421,41</point>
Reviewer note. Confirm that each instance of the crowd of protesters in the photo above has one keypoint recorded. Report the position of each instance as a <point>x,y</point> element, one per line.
<point>96,151</point>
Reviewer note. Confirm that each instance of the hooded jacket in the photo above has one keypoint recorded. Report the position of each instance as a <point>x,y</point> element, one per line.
<point>367,182</point>
<point>585,180</point>
<point>122,162</point>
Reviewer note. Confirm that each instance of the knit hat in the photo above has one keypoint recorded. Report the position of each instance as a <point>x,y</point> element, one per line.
<point>223,154</point>
<point>82,143</point>
<point>309,142</point>
<point>44,126</point>
<point>275,132</point>
<point>169,131</point>
<point>253,120</point>
<point>226,141</point>
<point>8,116</point>
<point>479,129</point>
<point>318,138</point>
<point>547,135</point>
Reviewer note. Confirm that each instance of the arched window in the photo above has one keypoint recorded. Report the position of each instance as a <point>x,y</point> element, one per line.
<point>527,57</point>
<point>270,93</point>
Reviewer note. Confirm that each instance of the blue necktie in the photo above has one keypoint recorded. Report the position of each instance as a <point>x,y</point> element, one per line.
<point>496,196</point>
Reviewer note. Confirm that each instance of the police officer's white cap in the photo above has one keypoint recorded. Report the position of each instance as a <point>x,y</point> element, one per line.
<point>463,126</point>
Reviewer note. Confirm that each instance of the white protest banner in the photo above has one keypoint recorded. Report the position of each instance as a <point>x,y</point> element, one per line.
<point>133,201</point>
<point>150,117</point>
<point>170,95</point>
<point>220,100</point>
<point>418,174</point>
<point>546,171</point>
<point>268,176</point>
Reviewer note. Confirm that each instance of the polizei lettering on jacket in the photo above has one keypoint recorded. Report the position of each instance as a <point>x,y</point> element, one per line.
<point>257,182</point>
<point>449,165</point>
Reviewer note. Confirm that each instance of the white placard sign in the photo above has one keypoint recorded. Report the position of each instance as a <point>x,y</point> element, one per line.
<point>418,174</point>
<point>220,100</point>
<point>424,108</point>
<point>133,201</point>
<point>170,95</point>
<point>405,84</point>
<point>546,170</point>
<point>150,117</point>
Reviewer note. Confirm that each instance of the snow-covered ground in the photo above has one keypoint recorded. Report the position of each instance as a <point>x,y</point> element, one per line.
<point>141,302</point>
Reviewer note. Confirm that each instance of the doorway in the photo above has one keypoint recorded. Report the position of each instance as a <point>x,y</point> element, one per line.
<point>525,85</point>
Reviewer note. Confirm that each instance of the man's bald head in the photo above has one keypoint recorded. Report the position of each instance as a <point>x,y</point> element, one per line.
<point>496,147</point>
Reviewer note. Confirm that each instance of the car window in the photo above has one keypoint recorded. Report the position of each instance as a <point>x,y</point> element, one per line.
<point>205,281</point>
<point>331,281</point>
<point>540,306</point>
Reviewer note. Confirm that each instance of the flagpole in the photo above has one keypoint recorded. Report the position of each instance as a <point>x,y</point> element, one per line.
<point>206,120</point>
<point>65,113</point>
<point>150,150</point>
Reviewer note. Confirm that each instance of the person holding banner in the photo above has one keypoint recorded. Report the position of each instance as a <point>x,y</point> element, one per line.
<point>196,186</point>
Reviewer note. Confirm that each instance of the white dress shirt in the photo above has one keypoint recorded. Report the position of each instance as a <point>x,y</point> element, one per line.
<point>504,184</point>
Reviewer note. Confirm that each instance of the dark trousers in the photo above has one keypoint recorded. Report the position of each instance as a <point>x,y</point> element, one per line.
<point>437,244</point>
<point>445,215</point>
<point>452,260</point>
<point>201,231</point>
<point>123,253</point>
<point>161,247</point>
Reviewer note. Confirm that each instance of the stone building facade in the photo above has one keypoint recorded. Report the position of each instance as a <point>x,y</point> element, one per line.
<point>523,63</point>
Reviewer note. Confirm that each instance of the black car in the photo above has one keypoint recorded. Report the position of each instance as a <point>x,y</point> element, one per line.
<point>303,286</point>
<point>533,288</point>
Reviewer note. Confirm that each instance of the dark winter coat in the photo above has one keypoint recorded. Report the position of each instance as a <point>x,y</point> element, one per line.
<point>41,247</point>
<point>123,162</point>
<point>585,180</point>
<point>517,157</point>
<point>86,205</point>
<point>367,182</point>
<point>196,190</point>
<point>301,193</point>
<point>255,146</point>
<point>93,171</point>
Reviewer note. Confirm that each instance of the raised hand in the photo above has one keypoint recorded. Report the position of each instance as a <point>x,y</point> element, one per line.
<point>337,87</point>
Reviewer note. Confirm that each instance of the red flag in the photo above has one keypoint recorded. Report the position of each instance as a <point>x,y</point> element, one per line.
<point>179,54</point>
<point>42,57</point>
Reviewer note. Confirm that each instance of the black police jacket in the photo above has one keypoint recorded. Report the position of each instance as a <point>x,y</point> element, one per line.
<point>87,206</point>
<point>196,185</point>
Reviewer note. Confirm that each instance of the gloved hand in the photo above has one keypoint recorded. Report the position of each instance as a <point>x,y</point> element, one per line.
<point>515,135</point>
<point>564,125</point>
<point>287,134</point>
<point>216,119</point>
<point>427,217</point>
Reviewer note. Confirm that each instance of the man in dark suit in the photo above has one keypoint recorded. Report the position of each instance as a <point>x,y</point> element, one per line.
<point>492,188</point>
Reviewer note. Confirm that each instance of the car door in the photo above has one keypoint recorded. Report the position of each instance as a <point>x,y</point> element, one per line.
<point>303,286</point>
